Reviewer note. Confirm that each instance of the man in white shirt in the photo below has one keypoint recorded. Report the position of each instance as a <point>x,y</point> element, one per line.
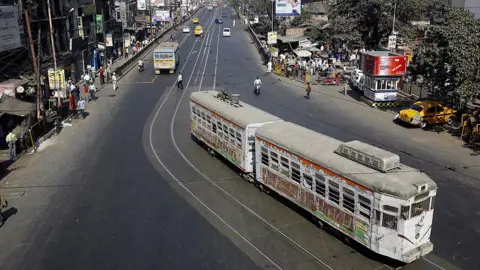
<point>114,81</point>
<point>180,81</point>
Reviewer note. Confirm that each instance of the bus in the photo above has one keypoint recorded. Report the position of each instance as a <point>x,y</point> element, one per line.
<point>166,57</point>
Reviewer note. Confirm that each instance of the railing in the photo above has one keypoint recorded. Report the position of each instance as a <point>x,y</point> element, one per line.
<point>258,44</point>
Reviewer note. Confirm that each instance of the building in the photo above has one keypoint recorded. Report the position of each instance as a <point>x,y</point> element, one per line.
<point>472,5</point>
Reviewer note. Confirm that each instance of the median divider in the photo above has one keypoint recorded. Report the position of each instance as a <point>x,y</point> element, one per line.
<point>126,67</point>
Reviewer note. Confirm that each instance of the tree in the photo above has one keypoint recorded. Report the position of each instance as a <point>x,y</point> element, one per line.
<point>448,59</point>
<point>368,22</point>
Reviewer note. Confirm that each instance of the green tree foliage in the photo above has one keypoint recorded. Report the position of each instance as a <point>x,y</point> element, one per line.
<point>449,58</point>
<point>366,23</point>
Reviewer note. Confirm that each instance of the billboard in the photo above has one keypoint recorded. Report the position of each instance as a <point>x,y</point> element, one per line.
<point>141,5</point>
<point>272,38</point>
<point>158,3</point>
<point>388,65</point>
<point>288,8</point>
<point>56,82</point>
<point>9,29</point>
<point>109,40</point>
<point>162,15</point>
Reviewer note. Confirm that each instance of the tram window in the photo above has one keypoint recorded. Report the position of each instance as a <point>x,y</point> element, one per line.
<point>420,207</point>
<point>214,127</point>
<point>239,139</point>
<point>348,199</point>
<point>320,186</point>
<point>225,131</point>
<point>232,136</point>
<point>274,157</point>
<point>405,212</point>
<point>307,181</point>
<point>264,156</point>
<point>194,111</point>
<point>285,166</point>
<point>353,154</point>
<point>295,172</point>
<point>365,204</point>
<point>333,192</point>
<point>203,115</point>
<point>390,209</point>
<point>432,203</point>
<point>389,221</point>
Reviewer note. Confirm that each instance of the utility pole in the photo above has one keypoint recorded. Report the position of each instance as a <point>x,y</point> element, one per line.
<point>39,83</point>
<point>273,2</point>
<point>59,100</point>
<point>35,66</point>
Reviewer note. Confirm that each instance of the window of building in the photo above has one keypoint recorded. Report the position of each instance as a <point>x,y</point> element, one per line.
<point>285,166</point>
<point>348,199</point>
<point>264,154</point>
<point>307,181</point>
<point>295,172</point>
<point>333,192</point>
<point>320,184</point>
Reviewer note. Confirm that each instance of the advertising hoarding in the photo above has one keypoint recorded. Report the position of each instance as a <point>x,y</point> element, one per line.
<point>99,23</point>
<point>109,40</point>
<point>272,38</point>
<point>158,3</point>
<point>141,5</point>
<point>9,29</point>
<point>56,82</point>
<point>389,65</point>
<point>162,15</point>
<point>288,8</point>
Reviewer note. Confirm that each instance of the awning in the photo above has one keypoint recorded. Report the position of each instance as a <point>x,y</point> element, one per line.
<point>303,53</point>
<point>290,39</point>
<point>13,106</point>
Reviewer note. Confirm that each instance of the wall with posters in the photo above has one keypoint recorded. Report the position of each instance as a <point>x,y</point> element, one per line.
<point>288,8</point>
<point>9,29</point>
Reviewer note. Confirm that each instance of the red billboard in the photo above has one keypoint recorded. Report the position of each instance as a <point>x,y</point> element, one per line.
<point>384,65</point>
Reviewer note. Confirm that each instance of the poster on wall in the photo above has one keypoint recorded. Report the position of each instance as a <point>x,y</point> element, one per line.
<point>141,5</point>
<point>272,38</point>
<point>288,8</point>
<point>109,40</point>
<point>162,15</point>
<point>56,82</point>
<point>9,29</point>
<point>158,3</point>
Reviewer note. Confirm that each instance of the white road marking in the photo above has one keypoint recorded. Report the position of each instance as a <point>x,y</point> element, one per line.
<point>180,183</point>
<point>206,60</point>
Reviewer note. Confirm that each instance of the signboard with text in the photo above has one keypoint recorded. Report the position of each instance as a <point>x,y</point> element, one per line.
<point>272,38</point>
<point>141,5</point>
<point>288,8</point>
<point>9,29</point>
<point>162,15</point>
<point>387,65</point>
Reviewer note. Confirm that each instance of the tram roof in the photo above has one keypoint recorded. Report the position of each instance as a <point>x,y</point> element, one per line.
<point>319,149</point>
<point>242,115</point>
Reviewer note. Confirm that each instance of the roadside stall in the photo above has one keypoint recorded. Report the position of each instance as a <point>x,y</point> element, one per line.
<point>383,72</point>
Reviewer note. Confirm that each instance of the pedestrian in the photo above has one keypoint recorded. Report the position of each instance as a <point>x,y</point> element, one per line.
<point>81,106</point>
<point>85,90</point>
<point>269,66</point>
<point>119,52</point>
<point>3,204</point>
<point>180,81</point>
<point>92,91</point>
<point>71,103</point>
<point>309,89</point>
<point>12,145</point>
<point>345,88</point>
<point>102,75</point>
<point>233,22</point>
<point>109,73</point>
<point>114,81</point>
<point>73,90</point>
<point>93,76</point>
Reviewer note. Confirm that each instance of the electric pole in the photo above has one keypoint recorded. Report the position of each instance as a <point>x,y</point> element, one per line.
<point>59,100</point>
<point>35,66</point>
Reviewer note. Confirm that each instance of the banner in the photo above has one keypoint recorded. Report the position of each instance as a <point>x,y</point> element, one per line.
<point>108,40</point>
<point>162,15</point>
<point>141,5</point>
<point>126,40</point>
<point>272,38</point>
<point>99,23</point>
<point>158,3</point>
<point>56,82</point>
<point>9,30</point>
<point>288,8</point>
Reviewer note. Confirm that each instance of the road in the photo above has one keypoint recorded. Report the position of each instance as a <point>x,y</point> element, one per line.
<point>127,188</point>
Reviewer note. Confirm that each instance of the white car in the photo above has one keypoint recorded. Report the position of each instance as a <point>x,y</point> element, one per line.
<point>186,29</point>
<point>226,32</point>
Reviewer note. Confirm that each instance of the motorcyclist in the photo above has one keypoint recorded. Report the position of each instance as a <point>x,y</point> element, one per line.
<point>140,64</point>
<point>257,82</point>
<point>171,37</point>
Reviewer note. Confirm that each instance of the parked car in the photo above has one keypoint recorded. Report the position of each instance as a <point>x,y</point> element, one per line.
<point>426,113</point>
<point>186,29</point>
<point>226,32</point>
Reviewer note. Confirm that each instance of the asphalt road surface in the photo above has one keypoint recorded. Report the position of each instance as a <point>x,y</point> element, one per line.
<point>127,188</point>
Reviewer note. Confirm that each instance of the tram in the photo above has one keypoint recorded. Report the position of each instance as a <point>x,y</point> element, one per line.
<point>362,191</point>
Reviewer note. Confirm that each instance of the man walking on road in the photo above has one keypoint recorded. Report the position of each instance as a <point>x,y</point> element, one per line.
<point>12,147</point>
<point>180,81</point>
<point>309,89</point>
<point>81,106</point>
<point>114,81</point>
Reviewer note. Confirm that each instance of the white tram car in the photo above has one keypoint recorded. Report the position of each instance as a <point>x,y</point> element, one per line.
<point>362,191</point>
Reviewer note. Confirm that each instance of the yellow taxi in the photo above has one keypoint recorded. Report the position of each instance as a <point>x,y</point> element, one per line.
<point>195,20</point>
<point>426,113</point>
<point>198,30</point>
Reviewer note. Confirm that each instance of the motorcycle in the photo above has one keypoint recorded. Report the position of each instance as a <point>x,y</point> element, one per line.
<point>140,68</point>
<point>257,89</point>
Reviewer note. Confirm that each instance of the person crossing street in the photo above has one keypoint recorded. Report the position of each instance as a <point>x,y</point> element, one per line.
<point>180,81</point>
